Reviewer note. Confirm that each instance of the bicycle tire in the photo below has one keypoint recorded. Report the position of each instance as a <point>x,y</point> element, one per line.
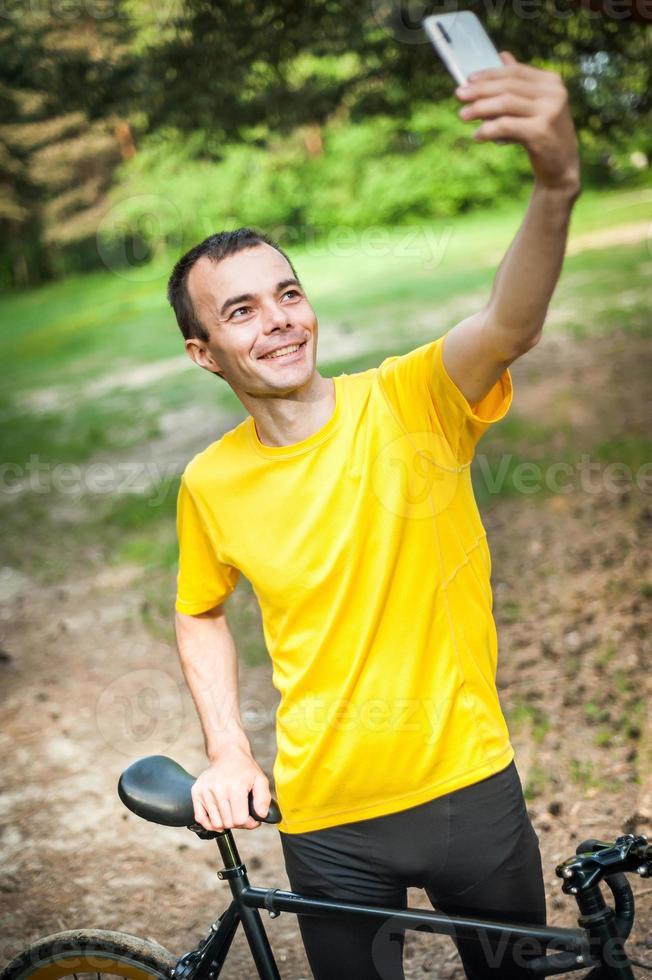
<point>91,951</point>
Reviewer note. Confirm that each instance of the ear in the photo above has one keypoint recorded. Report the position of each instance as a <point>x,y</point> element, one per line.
<point>198,352</point>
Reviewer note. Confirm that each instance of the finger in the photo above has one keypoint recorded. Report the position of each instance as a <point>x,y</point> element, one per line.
<point>497,86</point>
<point>505,128</point>
<point>246,823</point>
<point>226,814</point>
<point>261,795</point>
<point>241,816</point>
<point>501,105</point>
<point>213,813</point>
<point>507,58</point>
<point>250,824</point>
<point>239,803</point>
<point>201,815</point>
<point>515,70</point>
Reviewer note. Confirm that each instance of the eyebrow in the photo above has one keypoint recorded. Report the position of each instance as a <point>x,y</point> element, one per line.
<point>246,297</point>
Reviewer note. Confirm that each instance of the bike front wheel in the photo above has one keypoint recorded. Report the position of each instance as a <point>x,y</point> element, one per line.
<point>95,953</point>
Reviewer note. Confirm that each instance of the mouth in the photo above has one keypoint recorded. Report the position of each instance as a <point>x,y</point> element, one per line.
<point>288,353</point>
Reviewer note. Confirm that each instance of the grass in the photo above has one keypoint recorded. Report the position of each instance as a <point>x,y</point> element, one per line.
<point>69,347</point>
<point>533,717</point>
<point>605,657</point>
<point>67,333</point>
<point>536,784</point>
<point>74,433</point>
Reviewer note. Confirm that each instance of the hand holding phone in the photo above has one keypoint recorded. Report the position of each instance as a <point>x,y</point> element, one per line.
<point>516,103</point>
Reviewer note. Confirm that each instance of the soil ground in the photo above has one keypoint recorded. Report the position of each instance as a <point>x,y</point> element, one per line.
<point>88,688</point>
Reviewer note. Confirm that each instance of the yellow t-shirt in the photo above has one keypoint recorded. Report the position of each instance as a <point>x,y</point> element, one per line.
<point>365,549</point>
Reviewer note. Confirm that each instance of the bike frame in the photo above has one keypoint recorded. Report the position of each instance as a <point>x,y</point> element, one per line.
<point>598,943</point>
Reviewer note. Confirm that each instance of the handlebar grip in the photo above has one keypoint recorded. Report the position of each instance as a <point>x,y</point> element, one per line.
<point>624,905</point>
<point>273,813</point>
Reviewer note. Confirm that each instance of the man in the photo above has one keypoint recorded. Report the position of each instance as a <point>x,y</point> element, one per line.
<point>347,503</point>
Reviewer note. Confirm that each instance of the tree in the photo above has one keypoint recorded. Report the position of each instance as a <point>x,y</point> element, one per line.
<point>63,135</point>
<point>238,69</point>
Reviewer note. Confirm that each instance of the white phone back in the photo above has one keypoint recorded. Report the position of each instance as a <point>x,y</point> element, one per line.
<point>470,48</point>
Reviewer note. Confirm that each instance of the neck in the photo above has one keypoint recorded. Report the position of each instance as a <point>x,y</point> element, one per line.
<point>287,419</point>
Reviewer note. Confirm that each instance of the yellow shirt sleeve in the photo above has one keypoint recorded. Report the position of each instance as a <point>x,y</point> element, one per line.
<point>423,394</point>
<point>203,581</point>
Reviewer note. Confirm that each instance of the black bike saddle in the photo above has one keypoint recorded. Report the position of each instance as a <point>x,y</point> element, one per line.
<point>158,789</point>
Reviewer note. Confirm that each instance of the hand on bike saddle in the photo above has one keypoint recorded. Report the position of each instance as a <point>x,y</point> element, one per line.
<point>220,794</point>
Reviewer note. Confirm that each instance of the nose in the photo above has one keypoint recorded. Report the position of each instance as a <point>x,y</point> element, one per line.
<point>275,318</point>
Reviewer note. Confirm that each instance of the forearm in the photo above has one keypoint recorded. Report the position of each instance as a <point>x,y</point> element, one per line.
<point>209,663</point>
<point>528,273</point>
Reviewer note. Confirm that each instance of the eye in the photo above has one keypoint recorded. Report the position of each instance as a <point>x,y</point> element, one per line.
<point>240,309</point>
<point>291,292</point>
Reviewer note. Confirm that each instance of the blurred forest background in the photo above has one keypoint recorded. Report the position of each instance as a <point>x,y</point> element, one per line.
<point>291,115</point>
<point>129,131</point>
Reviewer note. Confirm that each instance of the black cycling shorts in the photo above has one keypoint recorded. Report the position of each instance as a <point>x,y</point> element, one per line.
<point>474,851</point>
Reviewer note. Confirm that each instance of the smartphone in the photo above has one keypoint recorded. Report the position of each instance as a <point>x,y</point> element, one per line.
<point>462,43</point>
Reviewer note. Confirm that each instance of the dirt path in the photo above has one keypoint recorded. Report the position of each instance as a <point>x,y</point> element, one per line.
<point>87,688</point>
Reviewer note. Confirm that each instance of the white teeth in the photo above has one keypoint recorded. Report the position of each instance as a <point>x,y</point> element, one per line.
<point>283,350</point>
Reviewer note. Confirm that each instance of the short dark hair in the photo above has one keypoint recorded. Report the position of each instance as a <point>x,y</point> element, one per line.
<point>216,247</point>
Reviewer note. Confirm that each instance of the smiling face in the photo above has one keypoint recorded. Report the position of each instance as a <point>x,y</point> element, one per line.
<point>252,306</point>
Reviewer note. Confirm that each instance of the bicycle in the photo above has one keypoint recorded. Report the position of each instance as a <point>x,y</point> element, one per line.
<point>158,789</point>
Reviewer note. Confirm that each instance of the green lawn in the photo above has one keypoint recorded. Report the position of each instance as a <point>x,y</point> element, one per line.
<point>70,332</point>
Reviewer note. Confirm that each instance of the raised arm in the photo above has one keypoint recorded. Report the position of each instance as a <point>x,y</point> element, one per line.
<point>526,105</point>
<point>209,663</point>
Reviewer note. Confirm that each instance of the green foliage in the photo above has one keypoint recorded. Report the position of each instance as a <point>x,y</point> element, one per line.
<point>233,67</point>
<point>380,172</point>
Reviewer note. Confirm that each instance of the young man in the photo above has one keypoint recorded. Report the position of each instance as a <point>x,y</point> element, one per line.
<point>347,503</point>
